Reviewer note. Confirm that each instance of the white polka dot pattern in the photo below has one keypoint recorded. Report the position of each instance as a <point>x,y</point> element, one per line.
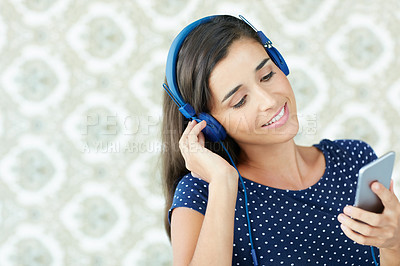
<point>295,227</point>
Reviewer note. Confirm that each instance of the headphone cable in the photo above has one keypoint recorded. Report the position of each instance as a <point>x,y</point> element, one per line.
<point>253,251</point>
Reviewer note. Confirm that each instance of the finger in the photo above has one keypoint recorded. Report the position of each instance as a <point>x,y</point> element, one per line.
<point>388,199</point>
<point>360,239</point>
<point>359,227</point>
<point>367,217</point>
<point>184,149</point>
<point>197,128</point>
<point>202,139</point>
<point>193,136</point>
<point>183,140</point>
<point>189,127</point>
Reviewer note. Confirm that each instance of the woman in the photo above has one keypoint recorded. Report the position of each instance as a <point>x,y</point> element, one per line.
<point>296,196</point>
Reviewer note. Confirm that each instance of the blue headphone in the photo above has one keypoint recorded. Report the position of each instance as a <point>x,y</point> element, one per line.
<point>214,130</point>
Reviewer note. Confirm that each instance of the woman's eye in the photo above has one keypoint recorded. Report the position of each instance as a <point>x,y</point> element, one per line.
<point>243,100</point>
<point>267,77</point>
<point>240,103</point>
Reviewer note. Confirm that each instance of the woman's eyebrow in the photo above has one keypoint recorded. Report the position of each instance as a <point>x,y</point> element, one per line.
<point>231,92</point>
<point>263,62</point>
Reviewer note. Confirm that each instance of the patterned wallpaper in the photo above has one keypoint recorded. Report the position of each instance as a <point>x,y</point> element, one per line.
<point>80,98</point>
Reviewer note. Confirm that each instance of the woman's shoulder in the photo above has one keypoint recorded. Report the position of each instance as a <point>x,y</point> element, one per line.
<point>346,144</point>
<point>190,187</point>
<point>190,182</point>
<point>347,148</point>
<point>191,192</point>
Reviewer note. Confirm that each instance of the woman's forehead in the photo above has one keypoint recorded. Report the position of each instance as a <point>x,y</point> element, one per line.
<point>243,58</point>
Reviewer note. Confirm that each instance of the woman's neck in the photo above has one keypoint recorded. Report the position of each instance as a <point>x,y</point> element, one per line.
<point>283,165</point>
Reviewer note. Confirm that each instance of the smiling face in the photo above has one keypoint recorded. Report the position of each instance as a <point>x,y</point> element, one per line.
<point>251,96</point>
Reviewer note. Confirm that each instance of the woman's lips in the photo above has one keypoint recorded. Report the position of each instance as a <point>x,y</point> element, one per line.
<point>279,119</point>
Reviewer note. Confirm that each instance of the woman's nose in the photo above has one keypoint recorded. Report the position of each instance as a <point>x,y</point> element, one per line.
<point>264,99</point>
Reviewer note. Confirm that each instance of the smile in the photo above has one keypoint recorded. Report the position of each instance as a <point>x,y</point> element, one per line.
<point>279,119</point>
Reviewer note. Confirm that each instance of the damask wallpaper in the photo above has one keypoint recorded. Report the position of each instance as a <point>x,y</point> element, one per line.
<point>80,98</point>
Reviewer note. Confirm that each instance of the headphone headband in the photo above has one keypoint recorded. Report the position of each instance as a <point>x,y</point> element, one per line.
<point>214,131</point>
<point>170,71</point>
<point>172,58</point>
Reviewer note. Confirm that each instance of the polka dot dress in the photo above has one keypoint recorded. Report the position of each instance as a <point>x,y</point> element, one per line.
<point>295,227</point>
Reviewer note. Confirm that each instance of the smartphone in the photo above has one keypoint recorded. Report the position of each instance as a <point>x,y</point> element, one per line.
<point>379,170</point>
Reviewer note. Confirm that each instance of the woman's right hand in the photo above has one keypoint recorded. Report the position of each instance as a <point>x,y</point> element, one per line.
<point>202,162</point>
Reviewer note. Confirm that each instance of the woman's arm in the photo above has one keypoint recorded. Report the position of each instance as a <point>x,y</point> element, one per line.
<point>207,240</point>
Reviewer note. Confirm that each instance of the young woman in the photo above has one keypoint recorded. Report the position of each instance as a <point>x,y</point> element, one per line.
<point>298,198</point>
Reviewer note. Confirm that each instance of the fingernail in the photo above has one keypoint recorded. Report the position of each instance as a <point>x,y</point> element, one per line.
<point>376,186</point>
<point>341,218</point>
<point>347,210</point>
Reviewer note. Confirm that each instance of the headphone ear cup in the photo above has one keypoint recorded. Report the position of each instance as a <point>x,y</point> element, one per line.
<point>277,58</point>
<point>214,131</point>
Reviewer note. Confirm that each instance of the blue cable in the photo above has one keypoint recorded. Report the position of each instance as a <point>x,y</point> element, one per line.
<point>373,256</point>
<point>253,251</point>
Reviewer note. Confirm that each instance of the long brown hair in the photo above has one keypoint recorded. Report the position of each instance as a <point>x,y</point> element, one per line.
<point>202,49</point>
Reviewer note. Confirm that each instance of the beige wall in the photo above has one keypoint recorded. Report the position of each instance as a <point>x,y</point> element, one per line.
<point>80,98</point>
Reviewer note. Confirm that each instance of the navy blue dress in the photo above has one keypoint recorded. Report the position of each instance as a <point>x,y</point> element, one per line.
<point>295,227</point>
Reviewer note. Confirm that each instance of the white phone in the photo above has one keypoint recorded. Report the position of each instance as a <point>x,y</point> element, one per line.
<point>379,170</point>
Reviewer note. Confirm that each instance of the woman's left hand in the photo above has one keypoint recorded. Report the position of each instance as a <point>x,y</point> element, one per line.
<point>375,229</point>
